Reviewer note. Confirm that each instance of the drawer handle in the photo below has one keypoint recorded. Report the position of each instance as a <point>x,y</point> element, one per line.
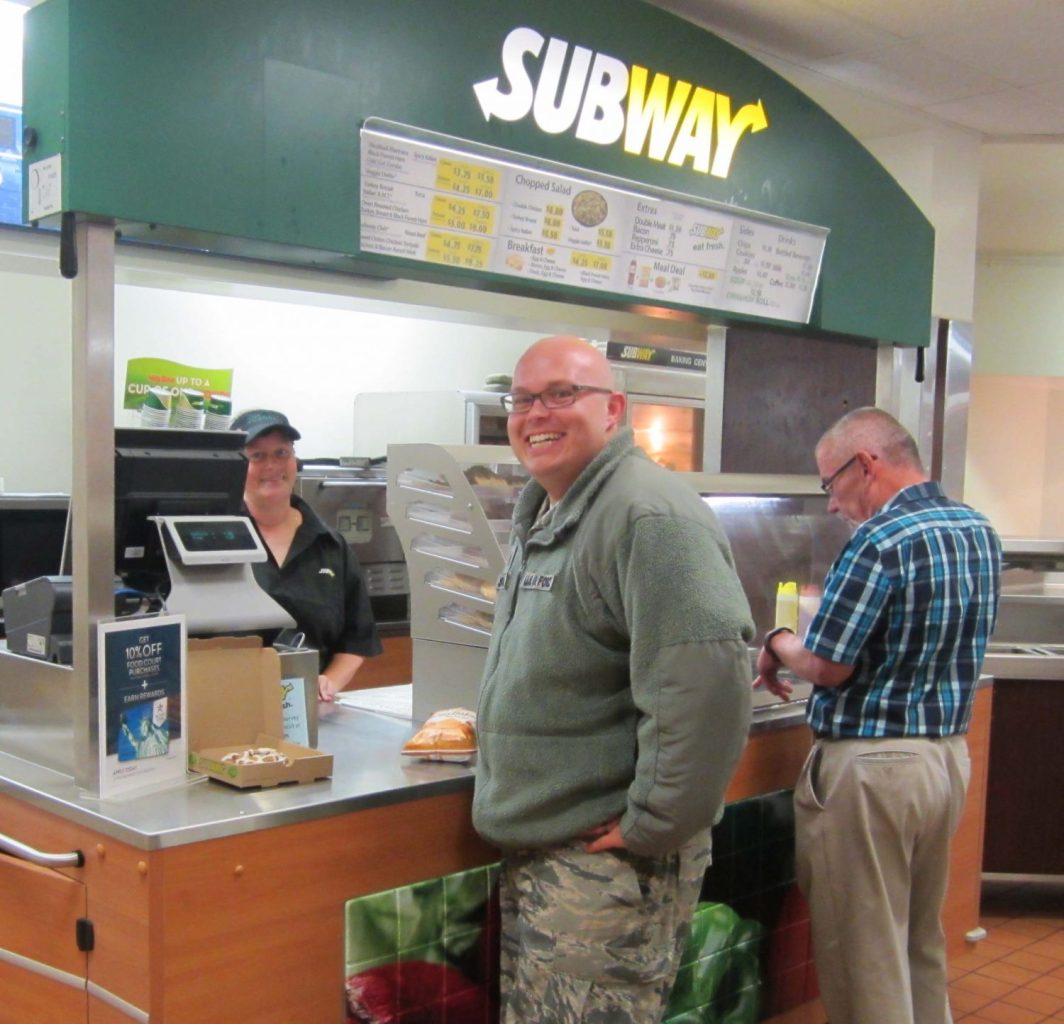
<point>75,859</point>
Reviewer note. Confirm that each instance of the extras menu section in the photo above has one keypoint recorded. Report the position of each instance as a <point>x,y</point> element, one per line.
<point>425,201</point>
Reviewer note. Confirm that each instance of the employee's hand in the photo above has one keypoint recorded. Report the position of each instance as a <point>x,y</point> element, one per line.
<point>338,675</point>
<point>327,689</point>
<point>606,836</point>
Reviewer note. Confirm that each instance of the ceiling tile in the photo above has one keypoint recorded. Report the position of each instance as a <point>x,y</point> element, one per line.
<point>1001,114</point>
<point>909,74</point>
<point>798,29</point>
<point>1022,43</point>
<point>862,114</point>
<point>910,19</point>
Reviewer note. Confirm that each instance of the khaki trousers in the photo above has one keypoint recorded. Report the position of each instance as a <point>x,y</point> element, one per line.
<point>873,821</point>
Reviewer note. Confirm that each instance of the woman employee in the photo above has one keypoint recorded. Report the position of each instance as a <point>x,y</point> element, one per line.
<point>311,571</point>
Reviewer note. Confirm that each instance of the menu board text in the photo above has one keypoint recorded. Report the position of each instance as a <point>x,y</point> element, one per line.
<point>423,201</point>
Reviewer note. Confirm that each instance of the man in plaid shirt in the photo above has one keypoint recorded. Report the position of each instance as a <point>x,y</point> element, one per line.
<point>894,653</point>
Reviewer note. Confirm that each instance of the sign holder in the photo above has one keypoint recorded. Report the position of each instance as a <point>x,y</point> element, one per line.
<point>142,704</point>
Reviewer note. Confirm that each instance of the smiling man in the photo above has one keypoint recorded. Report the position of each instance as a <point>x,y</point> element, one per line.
<point>614,705</point>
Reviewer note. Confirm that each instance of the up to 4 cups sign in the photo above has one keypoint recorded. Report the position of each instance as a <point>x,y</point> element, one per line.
<point>169,394</point>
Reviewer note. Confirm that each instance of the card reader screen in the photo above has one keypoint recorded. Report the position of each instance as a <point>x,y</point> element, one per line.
<point>227,535</point>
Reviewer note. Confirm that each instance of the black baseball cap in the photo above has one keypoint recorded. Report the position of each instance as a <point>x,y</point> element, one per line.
<point>256,422</point>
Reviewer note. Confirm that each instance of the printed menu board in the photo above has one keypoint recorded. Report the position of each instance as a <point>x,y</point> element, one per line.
<point>422,200</point>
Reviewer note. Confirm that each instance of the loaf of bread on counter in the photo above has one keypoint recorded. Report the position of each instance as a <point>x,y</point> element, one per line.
<point>448,735</point>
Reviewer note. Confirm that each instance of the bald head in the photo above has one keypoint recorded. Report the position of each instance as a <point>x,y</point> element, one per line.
<point>565,357</point>
<point>555,442</point>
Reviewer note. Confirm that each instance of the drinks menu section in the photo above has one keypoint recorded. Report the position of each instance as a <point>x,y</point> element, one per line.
<point>424,202</point>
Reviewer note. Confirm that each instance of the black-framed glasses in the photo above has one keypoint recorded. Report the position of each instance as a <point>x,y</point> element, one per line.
<point>557,396</point>
<point>260,455</point>
<point>826,485</point>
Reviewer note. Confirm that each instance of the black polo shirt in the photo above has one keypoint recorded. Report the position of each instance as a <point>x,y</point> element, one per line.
<point>321,586</point>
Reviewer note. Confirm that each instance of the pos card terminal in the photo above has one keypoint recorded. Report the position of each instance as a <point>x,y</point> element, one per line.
<point>209,559</point>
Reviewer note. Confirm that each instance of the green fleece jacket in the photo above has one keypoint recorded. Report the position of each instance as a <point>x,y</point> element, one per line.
<point>617,682</point>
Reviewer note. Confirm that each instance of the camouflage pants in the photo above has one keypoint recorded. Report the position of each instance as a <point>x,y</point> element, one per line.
<point>595,938</point>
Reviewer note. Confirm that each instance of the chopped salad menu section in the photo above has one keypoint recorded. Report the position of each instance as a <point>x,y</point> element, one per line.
<point>425,202</point>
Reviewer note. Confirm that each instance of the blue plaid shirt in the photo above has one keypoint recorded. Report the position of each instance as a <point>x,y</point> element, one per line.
<point>910,603</point>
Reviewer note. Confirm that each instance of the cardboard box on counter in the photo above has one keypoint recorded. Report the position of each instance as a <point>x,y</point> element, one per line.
<point>234,702</point>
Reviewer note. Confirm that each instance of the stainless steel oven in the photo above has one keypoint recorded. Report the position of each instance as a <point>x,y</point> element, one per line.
<point>666,411</point>
<point>350,496</point>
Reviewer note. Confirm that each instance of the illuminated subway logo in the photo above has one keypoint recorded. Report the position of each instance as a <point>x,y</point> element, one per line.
<point>665,121</point>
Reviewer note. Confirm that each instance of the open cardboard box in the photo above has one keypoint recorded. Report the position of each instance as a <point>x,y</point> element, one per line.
<point>234,702</point>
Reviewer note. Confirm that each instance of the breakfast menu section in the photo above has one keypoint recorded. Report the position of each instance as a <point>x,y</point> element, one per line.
<point>425,202</point>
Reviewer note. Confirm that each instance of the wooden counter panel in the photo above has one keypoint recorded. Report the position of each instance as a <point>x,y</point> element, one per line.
<point>38,914</point>
<point>116,895</point>
<point>104,1013</point>
<point>28,997</point>
<point>771,761</point>
<point>255,923</point>
<point>960,912</point>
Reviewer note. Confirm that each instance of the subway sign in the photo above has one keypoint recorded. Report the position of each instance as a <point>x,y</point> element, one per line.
<point>600,99</point>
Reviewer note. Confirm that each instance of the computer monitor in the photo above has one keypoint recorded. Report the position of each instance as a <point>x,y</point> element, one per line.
<point>31,536</point>
<point>169,472</point>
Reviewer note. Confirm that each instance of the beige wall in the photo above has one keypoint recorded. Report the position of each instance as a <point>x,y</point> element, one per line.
<point>1053,492</point>
<point>1015,465</point>
<point>1015,471</point>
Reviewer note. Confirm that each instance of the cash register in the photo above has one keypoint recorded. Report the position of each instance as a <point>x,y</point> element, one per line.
<point>181,545</point>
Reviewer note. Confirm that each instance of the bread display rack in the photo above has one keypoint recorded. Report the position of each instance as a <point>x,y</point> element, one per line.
<point>451,506</point>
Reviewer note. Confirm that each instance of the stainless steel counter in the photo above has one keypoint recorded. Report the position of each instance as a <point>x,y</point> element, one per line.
<point>1025,661</point>
<point>368,771</point>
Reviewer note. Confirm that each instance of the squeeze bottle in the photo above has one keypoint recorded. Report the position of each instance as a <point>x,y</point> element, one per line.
<point>787,605</point>
<point>808,604</point>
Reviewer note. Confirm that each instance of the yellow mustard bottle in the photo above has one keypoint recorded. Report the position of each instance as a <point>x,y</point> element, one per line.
<point>787,605</point>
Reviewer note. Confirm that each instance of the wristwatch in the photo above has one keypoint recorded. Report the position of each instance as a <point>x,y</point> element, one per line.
<point>767,642</point>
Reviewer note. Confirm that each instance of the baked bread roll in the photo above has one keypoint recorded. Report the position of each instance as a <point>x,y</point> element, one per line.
<point>448,735</point>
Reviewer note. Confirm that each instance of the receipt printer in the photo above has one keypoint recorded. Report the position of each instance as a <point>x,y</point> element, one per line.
<point>37,618</point>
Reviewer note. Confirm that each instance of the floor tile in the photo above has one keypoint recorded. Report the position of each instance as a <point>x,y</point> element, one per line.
<point>1011,935</point>
<point>1003,1013</point>
<point>1047,983</point>
<point>1009,972</point>
<point>992,988</point>
<point>962,1001</point>
<point>1031,1000</point>
<point>1053,946</point>
<point>1032,961</point>
<point>1038,927</point>
<point>972,960</point>
<point>991,949</point>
